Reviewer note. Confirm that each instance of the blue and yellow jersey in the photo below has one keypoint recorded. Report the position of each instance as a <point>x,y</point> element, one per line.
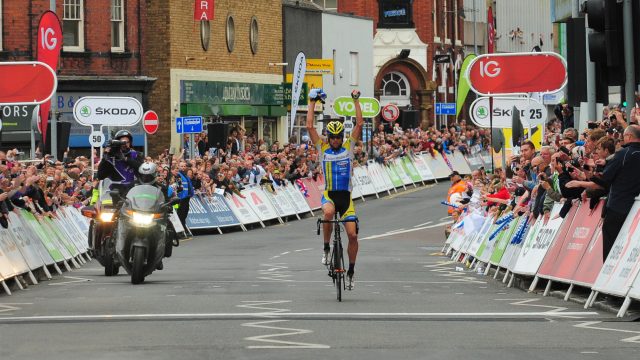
<point>337,165</point>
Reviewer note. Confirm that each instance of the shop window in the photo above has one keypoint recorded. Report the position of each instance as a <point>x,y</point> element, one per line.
<point>117,25</point>
<point>73,25</point>
<point>269,131</point>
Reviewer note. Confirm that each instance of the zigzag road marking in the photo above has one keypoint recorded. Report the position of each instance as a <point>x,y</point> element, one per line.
<point>443,269</point>
<point>8,307</point>
<point>274,341</point>
<point>528,302</point>
<point>274,272</point>
<point>589,325</point>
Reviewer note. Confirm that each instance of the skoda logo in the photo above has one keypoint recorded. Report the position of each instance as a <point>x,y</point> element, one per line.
<point>482,112</point>
<point>85,111</point>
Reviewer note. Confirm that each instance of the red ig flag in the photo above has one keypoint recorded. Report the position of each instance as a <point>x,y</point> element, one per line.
<point>49,45</point>
<point>203,10</point>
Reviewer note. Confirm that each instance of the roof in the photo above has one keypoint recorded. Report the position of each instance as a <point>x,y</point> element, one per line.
<point>305,4</point>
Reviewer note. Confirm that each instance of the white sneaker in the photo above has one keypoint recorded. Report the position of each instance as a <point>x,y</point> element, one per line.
<point>325,258</point>
<point>351,283</point>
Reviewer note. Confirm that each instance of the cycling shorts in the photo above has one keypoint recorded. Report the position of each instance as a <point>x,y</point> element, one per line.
<point>342,202</point>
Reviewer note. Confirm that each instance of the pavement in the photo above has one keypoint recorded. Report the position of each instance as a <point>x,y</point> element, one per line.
<point>263,294</point>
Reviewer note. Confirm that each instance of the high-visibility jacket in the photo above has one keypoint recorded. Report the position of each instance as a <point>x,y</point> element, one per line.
<point>457,188</point>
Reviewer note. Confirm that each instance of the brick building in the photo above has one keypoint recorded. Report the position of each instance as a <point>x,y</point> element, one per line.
<point>227,78</point>
<point>408,33</point>
<point>102,53</point>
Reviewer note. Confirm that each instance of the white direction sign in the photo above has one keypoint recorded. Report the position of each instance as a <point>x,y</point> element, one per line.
<point>107,111</point>
<point>96,138</point>
<point>532,113</point>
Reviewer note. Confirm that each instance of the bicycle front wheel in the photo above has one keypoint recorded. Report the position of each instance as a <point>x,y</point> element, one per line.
<point>338,265</point>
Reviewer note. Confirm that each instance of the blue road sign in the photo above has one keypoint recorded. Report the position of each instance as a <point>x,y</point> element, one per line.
<point>189,125</point>
<point>445,108</point>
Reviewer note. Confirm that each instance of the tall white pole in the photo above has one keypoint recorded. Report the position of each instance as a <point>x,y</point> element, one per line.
<point>629,65</point>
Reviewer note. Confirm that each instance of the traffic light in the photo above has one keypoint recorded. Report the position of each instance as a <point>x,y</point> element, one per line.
<point>606,42</point>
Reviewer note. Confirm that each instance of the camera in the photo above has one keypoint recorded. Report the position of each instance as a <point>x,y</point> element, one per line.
<point>592,125</point>
<point>115,145</point>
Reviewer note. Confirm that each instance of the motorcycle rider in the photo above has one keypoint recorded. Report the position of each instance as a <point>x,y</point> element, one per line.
<point>120,162</point>
<point>147,175</point>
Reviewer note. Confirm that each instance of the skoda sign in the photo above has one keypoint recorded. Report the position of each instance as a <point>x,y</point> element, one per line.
<point>107,111</point>
<point>532,113</point>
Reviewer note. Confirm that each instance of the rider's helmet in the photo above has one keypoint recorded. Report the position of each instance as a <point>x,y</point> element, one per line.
<point>124,133</point>
<point>148,173</point>
<point>335,128</point>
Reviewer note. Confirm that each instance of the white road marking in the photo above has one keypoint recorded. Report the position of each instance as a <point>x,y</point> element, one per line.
<point>307,249</point>
<point>406,231</point>
<point>427,223</point>
<point>76,280</point>
<point>589,325</point>
<point>312,316</point>
<point>274,272</point>
<point>8,307</point>
<point>270,338</point>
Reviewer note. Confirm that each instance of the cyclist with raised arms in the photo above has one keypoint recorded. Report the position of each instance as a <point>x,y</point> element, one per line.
<point>336,159</point>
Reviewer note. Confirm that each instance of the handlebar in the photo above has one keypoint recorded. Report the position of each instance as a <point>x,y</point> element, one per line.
<point>336,221</point>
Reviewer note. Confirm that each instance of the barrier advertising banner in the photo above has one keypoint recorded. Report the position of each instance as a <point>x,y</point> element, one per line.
<point>364,180</point>
<point>574,245</point>
<point>622,265</point>
<point>259,203</point>
<point>512,249</point>
<point>297,199</point>
<point>634,292</point>
<point>410,169</point>
<point>591,262</point>
<point>556,243</point>
<point>422,168</point>
<point>24,235</point>
<point>503,241</point>
<point>529,238</point>
<point>375,173</point>
<point>483,239</point>
<point>437,165</point>
<point>7,255</point>
<point>459,163</point>
<point>208,212</point>
<point>537,244</point>
<point>311,194</point>
<point>241,209</point>
<point>479,238</point>
<point>397,166</point>
<point>393,176</point>
<point>32,234</point>
<point>279,202</point>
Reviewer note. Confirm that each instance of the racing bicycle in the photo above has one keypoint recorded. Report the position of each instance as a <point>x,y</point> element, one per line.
<point>336,263</point>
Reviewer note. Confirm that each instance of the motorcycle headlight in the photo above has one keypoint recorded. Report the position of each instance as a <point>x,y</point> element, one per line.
<point>106,216</point>
<point>142,219</point>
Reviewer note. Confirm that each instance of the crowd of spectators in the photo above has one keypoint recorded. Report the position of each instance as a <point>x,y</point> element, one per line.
<point>600,162</point>
<point>43,184</point>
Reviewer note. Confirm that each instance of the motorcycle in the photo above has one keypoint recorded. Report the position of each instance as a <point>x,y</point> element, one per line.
<point>143,230</point>
<point>100,236</point>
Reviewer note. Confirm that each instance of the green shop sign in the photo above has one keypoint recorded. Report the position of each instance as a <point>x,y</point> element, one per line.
<point>344,106</point>
<point>231,93</point>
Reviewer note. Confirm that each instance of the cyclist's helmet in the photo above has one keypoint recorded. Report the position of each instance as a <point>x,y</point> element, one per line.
<point>148,173</point>
<point>124,133</point>
<point>335,128</point>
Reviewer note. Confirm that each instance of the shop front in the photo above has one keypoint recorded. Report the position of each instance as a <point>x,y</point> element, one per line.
<point>258,108</point>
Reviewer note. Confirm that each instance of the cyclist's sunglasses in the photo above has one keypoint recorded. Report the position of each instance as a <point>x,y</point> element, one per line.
<point>335,136</point>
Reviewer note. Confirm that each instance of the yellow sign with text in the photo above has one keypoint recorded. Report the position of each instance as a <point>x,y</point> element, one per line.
<point>319,66</point>
<point>313,82</point>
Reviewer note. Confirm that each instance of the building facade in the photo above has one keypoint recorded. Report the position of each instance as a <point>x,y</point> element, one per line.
<point>408,34</point>
<point>219,69</point>
<point>101,55</point>
<point>350,52</point>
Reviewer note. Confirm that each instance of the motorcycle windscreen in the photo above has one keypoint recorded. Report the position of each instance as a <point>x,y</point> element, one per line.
<point>145,198</point>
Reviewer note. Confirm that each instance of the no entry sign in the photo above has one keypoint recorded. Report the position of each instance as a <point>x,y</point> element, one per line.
<point>517,73</point>
<point>26,83</point>
<point>150,122</point>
